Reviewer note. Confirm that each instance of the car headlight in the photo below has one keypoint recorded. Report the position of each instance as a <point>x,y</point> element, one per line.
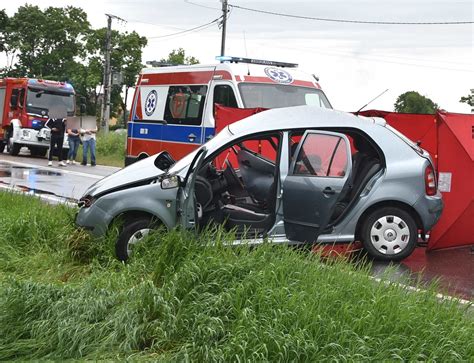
<point>86,201</point>
<point>170,182</point>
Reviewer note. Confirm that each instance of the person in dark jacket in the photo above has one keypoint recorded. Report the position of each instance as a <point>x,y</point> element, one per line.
<point>57,127</point>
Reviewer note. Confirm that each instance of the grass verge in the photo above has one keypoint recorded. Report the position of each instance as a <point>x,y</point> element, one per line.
<point>187,297</point>
<point>110,149</point>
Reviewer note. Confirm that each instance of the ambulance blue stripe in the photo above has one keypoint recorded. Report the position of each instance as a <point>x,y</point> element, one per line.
<point>176,133</point>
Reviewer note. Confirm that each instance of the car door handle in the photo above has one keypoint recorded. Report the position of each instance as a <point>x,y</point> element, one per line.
<point>191,137</point>
<point>329,191</point>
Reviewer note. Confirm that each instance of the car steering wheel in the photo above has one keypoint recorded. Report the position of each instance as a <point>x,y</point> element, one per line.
<point>233,173</point>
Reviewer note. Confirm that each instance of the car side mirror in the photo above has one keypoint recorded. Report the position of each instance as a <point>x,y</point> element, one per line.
<point>164,161</point>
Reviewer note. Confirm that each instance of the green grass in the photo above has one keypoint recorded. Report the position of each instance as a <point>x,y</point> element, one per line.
<point>182,297</point>
<point>110,149</point>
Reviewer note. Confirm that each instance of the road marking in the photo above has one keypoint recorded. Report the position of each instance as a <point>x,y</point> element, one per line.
<point>63,170</point>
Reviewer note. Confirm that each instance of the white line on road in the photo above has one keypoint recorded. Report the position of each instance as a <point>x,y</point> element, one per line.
<point>62,170</point>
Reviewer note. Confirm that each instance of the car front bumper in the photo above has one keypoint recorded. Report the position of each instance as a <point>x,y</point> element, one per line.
<point>94,220</point>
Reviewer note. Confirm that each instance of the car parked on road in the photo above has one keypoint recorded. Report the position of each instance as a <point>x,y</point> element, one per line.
<point>293,175</point>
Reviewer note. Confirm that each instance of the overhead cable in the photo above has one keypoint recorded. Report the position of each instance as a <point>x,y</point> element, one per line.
<point>351,21</point>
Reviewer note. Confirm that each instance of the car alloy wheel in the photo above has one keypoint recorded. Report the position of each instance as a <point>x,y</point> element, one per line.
<point>136,238</point>
<point>389,234</point>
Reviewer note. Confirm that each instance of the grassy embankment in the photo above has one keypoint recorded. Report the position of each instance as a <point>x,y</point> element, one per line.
<point>63,296</point>
<point>110,149</point>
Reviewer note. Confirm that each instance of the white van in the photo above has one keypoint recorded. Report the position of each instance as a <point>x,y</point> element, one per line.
<point>173,107</point>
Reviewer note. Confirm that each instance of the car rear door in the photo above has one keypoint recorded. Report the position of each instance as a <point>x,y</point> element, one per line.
<point>318,173</point>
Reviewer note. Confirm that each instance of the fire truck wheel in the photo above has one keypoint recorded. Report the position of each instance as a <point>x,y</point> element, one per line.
<point>38,152</point>
<point>13,148</point>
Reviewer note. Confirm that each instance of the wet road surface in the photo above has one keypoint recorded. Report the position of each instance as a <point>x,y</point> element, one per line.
<point>453,268</point>
<point>36,177</point>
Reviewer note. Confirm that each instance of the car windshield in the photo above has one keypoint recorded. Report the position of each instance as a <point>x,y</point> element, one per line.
<point>211,145</point>
<point>38,100</point>
<point>278,95</point>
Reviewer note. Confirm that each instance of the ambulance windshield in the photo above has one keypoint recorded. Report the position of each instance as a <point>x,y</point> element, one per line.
<point>279,95</point>
<point>40,101</point>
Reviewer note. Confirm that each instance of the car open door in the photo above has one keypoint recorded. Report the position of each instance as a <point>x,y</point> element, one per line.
<point>187,199</point>
<point>318,173</point>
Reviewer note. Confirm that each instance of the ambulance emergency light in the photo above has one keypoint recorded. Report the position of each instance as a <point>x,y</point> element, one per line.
<point>226,58</point>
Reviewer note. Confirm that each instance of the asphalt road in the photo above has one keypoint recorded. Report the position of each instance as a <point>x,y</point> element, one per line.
<point>453,268</point>
<point>36,177</point>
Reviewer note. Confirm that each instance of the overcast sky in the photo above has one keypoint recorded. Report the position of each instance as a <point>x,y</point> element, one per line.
<point>355,62</point>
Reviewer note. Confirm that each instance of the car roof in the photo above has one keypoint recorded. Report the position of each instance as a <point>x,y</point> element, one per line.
<point>301,117</point>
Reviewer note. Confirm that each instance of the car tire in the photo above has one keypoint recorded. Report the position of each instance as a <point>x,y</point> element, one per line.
<point>2,147</point>
<point>36,151</point>
<point>389,234</point>
<point>132,232</point>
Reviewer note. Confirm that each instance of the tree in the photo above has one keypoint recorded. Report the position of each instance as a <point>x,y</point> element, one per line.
<point>469,99</point>
<point>48,42</point>
<point>413,102</point>
<point>178,56</point>
<point>126,57</point>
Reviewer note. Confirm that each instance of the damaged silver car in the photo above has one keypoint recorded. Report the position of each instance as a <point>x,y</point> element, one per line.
<point>299,175</point>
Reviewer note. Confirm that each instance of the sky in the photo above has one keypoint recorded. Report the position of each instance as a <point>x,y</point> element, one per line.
<point>355,62</point>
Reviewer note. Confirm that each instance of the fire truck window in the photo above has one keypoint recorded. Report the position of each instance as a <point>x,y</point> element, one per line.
<point>21,101</point>
<point>185,105</point>
<point>2,100</point>
<point>224,95</point>
<point>14,97</point>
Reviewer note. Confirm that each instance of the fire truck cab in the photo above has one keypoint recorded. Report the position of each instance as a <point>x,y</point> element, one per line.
<point>173,107</point>
<point>24,108</point>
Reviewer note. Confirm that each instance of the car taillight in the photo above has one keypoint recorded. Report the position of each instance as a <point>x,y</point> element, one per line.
<point>430,180</point>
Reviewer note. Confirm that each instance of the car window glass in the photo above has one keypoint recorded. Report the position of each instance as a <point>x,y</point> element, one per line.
<point>322,155</point>
<point>185,105</point>
<point>224,95</point>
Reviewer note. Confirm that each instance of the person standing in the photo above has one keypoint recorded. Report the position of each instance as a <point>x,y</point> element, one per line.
<point>57,127</point>
<point>88,142</point>
<point>74,140</point>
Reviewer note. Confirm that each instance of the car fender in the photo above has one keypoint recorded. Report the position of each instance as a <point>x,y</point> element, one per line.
<point>149,198</point>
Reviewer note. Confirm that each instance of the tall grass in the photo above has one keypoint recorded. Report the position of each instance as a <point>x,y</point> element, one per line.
<point>187,297</point>
<point>110,149</point>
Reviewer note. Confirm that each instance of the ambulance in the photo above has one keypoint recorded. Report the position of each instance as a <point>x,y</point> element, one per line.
<point>173,107</point>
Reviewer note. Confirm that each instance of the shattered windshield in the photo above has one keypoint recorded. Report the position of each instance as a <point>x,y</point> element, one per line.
<point>278,95</point>
<point>39,101</point>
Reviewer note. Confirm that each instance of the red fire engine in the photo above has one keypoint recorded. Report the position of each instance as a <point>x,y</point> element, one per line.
<point>24,108</point>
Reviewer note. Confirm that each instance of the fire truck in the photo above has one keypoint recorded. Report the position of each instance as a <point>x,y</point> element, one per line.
<point>173,107</point>
<point>24,108</point>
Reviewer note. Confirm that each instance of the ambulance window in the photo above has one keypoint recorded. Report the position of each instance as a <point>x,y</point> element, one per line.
<point>314,99</point>
<point>185,105</point>
<point>224,95</point>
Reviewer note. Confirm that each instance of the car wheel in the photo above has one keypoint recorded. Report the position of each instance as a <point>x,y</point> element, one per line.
<point>389,234</point>
<point>132,233</point>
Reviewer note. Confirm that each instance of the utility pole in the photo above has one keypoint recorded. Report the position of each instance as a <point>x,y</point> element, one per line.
<point>224,22</point>
<point>107,74</point>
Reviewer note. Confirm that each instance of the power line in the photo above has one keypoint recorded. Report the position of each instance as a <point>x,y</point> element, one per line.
<point>197,28</point>
<point>200,5</point>
<point>351,21</point>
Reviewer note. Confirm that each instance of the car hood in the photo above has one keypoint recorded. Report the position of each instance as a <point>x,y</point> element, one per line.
<point>132,174</point>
